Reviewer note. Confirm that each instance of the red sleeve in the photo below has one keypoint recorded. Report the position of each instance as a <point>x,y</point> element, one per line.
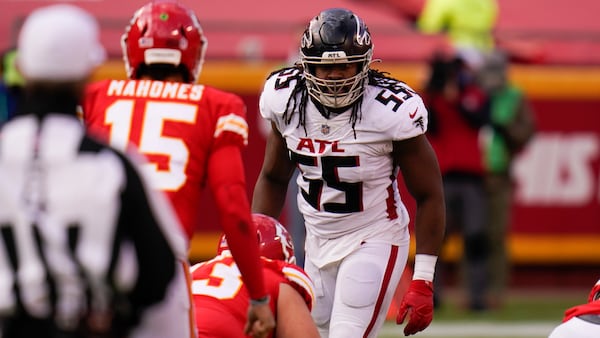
<point>231,127</point>
<point>227,182</point>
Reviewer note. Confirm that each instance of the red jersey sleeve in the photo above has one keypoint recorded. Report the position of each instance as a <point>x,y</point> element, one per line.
<point>226,179</point>
<point>227,183</point>
<point>231,127</point>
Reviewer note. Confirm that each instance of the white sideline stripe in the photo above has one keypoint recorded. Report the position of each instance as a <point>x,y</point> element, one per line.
<point>465,329</point>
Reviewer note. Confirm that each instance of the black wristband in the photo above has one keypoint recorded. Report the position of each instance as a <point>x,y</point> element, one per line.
<point>260,301</point>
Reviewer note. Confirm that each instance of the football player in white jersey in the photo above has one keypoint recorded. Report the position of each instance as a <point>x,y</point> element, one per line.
<point>350,130</point>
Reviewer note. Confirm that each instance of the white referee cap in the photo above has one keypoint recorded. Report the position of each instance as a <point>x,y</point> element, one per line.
<point>59,43</point>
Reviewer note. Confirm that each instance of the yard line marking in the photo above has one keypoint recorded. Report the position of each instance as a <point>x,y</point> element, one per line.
<point>466,329</point>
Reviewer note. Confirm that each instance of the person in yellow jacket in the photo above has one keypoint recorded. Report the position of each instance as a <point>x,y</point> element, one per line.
<point>11,85</point>
<point>469,24</point>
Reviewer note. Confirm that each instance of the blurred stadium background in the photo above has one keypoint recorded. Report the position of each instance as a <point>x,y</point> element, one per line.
<point>554,241</point>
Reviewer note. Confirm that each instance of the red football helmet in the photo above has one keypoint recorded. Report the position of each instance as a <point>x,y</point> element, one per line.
<point>274,241</point>
<point>166,33</point>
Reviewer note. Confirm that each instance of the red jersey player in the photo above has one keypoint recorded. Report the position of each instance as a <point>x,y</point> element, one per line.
<point>581,321</point>
<point>192,136</point>
<point>221,298</point>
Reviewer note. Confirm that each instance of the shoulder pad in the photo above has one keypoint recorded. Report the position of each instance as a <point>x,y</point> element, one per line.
<point>396,108</point>
<point>296,277</point>
<point>278,89</point>
<point>300,281</point>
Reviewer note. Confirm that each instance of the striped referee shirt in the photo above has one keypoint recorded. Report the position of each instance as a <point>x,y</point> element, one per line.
<point>82,240</point>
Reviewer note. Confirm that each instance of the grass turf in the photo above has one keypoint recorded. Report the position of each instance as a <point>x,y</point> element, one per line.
<point>522,308</point>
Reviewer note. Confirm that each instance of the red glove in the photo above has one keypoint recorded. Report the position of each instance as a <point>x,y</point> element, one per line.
<point>419,300</point>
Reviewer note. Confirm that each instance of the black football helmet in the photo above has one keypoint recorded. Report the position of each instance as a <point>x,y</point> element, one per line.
<point>336,36</point>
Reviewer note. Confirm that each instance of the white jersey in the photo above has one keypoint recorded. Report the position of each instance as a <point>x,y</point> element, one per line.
<point>348,180</point>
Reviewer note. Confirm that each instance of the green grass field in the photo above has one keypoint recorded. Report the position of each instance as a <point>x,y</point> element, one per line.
<point>526,314</point>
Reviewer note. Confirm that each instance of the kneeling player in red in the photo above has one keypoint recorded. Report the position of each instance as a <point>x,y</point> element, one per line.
<point>221,299</point>
<point>581,321</point>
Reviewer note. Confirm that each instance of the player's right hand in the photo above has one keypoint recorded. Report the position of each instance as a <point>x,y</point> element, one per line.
<point>260,321</point>
<point>418,301</point>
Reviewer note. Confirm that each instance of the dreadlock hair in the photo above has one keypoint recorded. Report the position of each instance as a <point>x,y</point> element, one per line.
<point>374,77</point>
<point>292,103</point>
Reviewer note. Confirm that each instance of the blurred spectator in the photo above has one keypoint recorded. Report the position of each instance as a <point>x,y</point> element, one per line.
<point>458,109</point>
<point>581,321</point>
<point>409,10</point>
<point>11,86</point>
<point>469,24</point>
<point>3,94</point>
<point>511,127</point>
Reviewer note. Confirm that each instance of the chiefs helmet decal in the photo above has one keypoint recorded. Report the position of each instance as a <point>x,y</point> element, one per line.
<point>274,241</point>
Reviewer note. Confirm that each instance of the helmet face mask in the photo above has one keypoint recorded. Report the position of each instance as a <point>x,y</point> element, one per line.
<point>164,33</point>
<point>336,36</point>
<point>274,241</point>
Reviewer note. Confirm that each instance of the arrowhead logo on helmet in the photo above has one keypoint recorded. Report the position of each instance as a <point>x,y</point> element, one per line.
<point>274,241</point>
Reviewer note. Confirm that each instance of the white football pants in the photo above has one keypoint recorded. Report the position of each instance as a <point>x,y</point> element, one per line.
<point>354,294</point>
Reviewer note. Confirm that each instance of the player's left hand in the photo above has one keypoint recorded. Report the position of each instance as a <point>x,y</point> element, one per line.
<point>260,321</point>
<point>418,305</point>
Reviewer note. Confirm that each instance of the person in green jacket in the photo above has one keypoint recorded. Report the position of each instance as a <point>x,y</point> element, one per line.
<point>511,128</point>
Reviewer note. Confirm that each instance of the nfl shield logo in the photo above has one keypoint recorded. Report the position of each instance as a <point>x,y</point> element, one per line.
<point>324,129</point>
